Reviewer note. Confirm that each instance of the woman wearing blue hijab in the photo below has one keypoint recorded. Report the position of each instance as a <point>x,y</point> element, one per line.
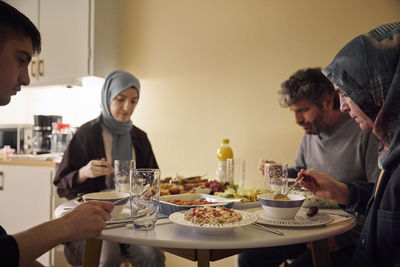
<point>86,166</point>
<point>366,74</point>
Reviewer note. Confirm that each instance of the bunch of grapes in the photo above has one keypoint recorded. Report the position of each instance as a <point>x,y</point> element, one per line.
<point>216,186</point>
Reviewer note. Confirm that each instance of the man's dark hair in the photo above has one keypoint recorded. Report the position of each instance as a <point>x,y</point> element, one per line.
<point>13,24</point>
<point>310,84</point>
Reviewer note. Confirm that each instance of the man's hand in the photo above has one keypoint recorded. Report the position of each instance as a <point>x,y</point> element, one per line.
<point>261,165</point>
<point>87,220</point>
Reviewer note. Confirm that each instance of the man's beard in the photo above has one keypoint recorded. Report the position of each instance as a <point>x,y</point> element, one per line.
<point>319,125</point>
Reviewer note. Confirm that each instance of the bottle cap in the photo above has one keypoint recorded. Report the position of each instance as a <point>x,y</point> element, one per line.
<point>225,141</point>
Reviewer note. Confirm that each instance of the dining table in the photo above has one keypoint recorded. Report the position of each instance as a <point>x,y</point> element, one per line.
<point>204,248</point>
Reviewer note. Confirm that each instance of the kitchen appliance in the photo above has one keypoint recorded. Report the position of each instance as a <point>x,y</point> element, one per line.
<point>61,135</point>
<point>17,136</point>
<point>41,139</point>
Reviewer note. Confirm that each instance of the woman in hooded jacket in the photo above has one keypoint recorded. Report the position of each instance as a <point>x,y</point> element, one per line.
<point>366,74</point>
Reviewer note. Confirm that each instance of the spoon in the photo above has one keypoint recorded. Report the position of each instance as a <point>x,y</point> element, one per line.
<point>120,200</point>
<point>284,195</point>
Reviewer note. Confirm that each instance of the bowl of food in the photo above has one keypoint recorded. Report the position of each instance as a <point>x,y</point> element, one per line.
<point>110,196</point>
<point>281,208</point>
<point>173,203</point>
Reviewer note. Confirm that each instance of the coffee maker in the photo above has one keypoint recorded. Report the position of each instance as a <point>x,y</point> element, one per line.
<point>41,139</point>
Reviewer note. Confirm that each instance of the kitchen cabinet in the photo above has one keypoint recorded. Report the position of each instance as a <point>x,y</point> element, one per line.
<point>79,38</point>
<point>27,199</point>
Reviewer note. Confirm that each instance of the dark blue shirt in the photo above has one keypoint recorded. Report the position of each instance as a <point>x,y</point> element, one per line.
<point>379,243</point>
<point>9,252</point>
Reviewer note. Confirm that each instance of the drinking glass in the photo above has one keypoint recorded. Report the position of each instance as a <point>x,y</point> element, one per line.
<point>145,194</point>
<point>276,177</point>
<point>121,174</point>
<point>236,169</point>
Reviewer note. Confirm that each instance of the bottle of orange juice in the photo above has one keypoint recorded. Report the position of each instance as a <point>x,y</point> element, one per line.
<point>224,152</point>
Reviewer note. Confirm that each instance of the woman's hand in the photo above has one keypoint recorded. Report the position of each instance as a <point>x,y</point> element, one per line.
<point>261,164</point>
<point>93,169</point>
<point>324,186</point>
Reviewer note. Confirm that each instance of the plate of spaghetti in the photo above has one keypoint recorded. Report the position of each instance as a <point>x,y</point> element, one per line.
<point>212,220</point>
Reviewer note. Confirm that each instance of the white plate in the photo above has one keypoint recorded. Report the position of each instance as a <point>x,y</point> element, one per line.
<point>213,229</point>
<point>298,221</point>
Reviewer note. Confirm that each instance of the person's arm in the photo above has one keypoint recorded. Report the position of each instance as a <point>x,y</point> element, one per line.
<point>79,164</point>
<point>74,158</point>
<point>85,221</point>
<point>324,186</point>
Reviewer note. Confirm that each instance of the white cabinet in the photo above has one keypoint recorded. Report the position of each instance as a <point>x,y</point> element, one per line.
<point>65,29</point>
<point>79,38</point>
<point>26,199</point>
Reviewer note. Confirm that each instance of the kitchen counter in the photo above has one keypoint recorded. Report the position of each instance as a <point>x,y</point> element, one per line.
<point>31,160</point>
<point>39,163</point>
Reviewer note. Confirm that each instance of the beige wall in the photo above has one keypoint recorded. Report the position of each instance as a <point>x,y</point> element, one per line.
<point>211,69</point>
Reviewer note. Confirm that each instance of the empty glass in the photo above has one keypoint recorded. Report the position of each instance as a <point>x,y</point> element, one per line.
<point>145,194</point>
<point>276,177</point>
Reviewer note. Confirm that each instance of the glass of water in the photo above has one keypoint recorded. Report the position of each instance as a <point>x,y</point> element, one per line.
<point>145,194</point>
<point>121,174</point>
<point>276,179</point>
<point>235,169</point>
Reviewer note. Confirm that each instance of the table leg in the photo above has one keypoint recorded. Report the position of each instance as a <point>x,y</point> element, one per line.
<point>320,253</point>
<point>91,256</point>
<point>203,258</point>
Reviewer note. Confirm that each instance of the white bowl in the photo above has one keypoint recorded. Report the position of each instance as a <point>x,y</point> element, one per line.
<point>110,196</point>
<point>281,209</point>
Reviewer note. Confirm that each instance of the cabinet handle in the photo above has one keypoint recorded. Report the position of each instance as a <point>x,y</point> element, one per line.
<point>2,181</point>
<point>33,68</point>
<point>41,67</point>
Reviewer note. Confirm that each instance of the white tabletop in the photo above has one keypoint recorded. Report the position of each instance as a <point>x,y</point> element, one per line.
<point>175,236</point>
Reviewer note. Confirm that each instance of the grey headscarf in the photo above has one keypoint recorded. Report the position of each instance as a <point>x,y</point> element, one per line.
<point>367,69</point>
<point>115,83</point>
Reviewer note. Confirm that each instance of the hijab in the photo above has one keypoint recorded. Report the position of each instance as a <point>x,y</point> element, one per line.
<point>367,70</point>
<point>115,83</point>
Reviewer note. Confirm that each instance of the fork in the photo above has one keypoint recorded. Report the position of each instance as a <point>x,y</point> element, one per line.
<point>265,228</point>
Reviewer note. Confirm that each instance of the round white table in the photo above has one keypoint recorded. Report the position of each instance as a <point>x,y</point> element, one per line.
<point>203,248</point>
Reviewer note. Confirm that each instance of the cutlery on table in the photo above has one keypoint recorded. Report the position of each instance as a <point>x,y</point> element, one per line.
<point>265,228</point>
<point>120,200</point>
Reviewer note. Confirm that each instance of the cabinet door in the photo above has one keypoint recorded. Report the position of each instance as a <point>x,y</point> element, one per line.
<point>65,38</point>
<point>26,198</point>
